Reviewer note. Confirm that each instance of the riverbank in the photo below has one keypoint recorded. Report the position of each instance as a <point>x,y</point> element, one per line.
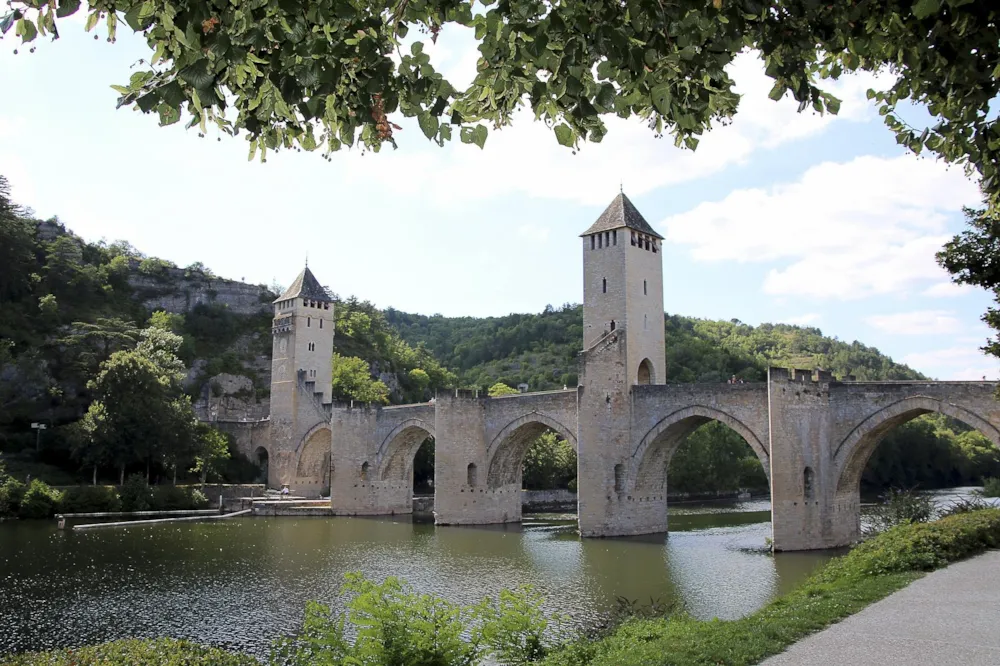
<point>950,616</point>
<point>870,572</point>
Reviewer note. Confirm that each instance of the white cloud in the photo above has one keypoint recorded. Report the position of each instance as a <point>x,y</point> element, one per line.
<point>921,322</point>
<point>804,319</point>
<point>946,290</point>
<point>965,363</point>
<point>844,230</point>
<point>526,159</point>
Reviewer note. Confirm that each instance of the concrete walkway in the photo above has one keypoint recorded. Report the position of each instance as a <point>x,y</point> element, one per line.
<point>950,616</point>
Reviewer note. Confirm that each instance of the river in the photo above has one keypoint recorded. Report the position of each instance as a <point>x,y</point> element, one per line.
<point>243,582</point>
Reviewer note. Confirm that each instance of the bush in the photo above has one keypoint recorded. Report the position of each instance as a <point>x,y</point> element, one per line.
<point>39,501</point>
<point>136,494</point>
<point>158,652</point>
<point>991,487</point>
<point>394,625</point>
<point>197,499</point>
<point>170,498</point>
<point>11,493</point>
<point>899,507</point>
<point>90,499</point>
<point>924,546</point>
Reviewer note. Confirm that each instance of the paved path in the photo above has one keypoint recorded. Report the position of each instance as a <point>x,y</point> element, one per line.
<point>951,616</point>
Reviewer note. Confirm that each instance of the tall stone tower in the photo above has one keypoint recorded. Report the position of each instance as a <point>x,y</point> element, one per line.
<point>622,348</point>
<point>301,372</point>
<point>623,288</point>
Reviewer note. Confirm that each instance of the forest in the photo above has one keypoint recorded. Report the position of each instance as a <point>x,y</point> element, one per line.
<point>74,333</point>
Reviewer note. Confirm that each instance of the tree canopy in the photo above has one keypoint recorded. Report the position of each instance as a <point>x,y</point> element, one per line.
<point>321,74</point>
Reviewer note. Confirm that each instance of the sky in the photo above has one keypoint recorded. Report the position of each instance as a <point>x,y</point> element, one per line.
<point>777,217</point>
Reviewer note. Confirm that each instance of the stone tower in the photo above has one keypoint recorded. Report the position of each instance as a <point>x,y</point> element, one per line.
<point>301,372</point>
<point>622,347</point>
<point>623,288</point>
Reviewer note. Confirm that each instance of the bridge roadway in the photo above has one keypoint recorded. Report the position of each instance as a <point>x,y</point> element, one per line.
<point>951,616</point>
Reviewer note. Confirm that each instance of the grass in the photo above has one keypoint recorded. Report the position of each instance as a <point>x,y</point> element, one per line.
<point>847,584</point>
<point>871,571</point>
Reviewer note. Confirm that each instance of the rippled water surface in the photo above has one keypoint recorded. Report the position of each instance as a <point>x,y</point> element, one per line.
<point>240,583</point>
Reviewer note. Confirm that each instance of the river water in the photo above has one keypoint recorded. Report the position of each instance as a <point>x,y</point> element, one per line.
<point>241,583</point>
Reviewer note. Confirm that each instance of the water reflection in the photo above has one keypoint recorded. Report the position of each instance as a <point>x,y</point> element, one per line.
<point>241,583</point>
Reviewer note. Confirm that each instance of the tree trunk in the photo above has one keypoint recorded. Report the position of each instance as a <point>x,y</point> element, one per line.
<point>122,482</point>
<point>147,472</point>
<point>175,474</point>
<point>95,476</point>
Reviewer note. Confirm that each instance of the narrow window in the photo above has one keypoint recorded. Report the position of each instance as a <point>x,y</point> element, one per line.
<point>600,241</point>
<point>645,323</point>
<point>807,482</point>
<point>614,237</point>
<point>305,303</point>
<point>321,323</point>
<point>633,239</point>
<point>364,471</point>
<point>654,247</point>
<point>644,292</point>
<point>604,285</point>
<point>593,242</point>
<point>472,475</point>
<point>619,478</point>
<point>607,239</point>
<point>647,243</point>
<point>309,322</point>
<point>613,325</point>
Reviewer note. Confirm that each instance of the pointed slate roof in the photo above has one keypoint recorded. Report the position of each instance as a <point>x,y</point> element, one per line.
<point>621,213</point>
<point>305,286</point>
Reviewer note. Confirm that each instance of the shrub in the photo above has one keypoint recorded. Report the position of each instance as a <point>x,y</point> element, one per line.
<point>170,498</point>
<point>158,652</point>
<point>90,499</point>
<point>39,501</point>
<point>394,625</point>
<point>135,494</point>
<point>899,507</point>
<point>991,487</point>
<point>11,493</point>
<point>197,499</point>
<point>923,546</point>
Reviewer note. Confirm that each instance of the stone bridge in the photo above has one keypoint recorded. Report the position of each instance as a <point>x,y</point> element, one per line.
<point>812,434</point>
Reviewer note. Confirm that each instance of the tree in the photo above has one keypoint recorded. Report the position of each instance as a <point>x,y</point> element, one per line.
<point>139,412</point>
<point>549,463</point>
<point>211,453</point>
<point>501,389</point>
<point>17,248</point>
<point>318,74</point>
<point>352,380</point>
<point>973,257</point>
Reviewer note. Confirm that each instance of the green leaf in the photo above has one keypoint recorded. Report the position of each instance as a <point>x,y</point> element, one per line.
<point>466,135</point>
<point>428,124</point>
<point>148,101</point>
<point>416,48</point>
<point>92,20</point>
<point>833,105</point>
<point>924,8</point>
<point>479,135</point>
<point>661,96</point>
<point>67,7</point>
<point>778,91</point>
<point>132,18</point>
<point>198,75</point>
<point>6,22</point>
<point>168,114</point>
<point>564,135</point>
<point>27,30</point>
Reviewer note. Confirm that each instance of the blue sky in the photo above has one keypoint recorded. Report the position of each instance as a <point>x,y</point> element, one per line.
<point>778,217</point>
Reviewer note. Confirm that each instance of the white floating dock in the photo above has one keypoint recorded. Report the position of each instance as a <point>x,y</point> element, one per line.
<point>141,523</point>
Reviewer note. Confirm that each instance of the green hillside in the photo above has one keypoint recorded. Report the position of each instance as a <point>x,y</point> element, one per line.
<point>541,349</point>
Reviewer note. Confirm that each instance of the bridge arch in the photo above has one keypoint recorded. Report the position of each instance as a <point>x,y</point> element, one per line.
<point>312,466</point>
<point>853,452</point>
<point>652,455</point>
<point>507,449</point>
<point>398,448</point>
